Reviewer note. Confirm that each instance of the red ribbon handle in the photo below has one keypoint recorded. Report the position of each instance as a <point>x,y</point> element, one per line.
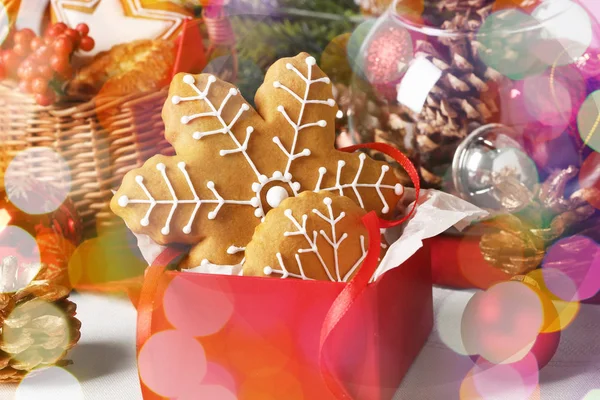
<point>358,284</point>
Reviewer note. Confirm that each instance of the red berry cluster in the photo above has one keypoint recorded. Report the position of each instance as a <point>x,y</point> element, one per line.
<point>41,62</point>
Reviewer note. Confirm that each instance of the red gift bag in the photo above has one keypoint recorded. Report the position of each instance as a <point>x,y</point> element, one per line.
<point>222,337</point>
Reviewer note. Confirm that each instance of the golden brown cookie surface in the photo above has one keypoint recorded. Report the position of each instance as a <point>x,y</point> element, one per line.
<point>235,163</point>
<point>313,236</point>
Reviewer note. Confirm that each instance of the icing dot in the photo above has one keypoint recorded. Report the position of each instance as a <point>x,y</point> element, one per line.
<point>160,166</point>
<point>181,164</point>
<point>268,270</point>
<point>327,201</point>
<point>322,123</point>
<point>175,99</point>
<point>187,229</point>
<point>339,114</point>
<point>311,61</point>
<point>145,222</point>
<point>331,102</point>
<point>210,184</point>
<point>123,201</point>
<point>287,176</point>
<point>280,108</point>
<point>276,195</point>
<point>322,170</point>
<point>385,209</point>
<point>306,152</point>
<point>245,107</point>
<point>255,202</point>
<point>258,213</point>
<point>197,135</point>
<point>277,84</point>
<point>296,186</point>
<point>362,156</point>
<point>233,91</point>
<point>212,215</point>
<point>385,168</point>
<point>256,187</point>
<point>341,163</point>
<point>289,66</point>
<point>287,213</point>
<point>249,130</point>
<point>165,230</point>
<point>189,79</point>
<point>139,179</point>
<point>398,189</point>
<point>185,119</point>
<point>277,174</point>
<point>223,153</point>
<point>263,179</point>
<point>212,79</point>
<point>342,215</point>
<point>204,263</point>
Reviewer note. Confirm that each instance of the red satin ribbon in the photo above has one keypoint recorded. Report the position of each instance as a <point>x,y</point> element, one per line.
<point>341,304</point>
<point>358,284</point>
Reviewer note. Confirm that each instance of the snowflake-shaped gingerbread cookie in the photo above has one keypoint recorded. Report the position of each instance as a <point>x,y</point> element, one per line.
<point>235,163</point>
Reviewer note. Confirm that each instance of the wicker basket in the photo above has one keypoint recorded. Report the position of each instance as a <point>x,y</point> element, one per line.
<point>100,140</point>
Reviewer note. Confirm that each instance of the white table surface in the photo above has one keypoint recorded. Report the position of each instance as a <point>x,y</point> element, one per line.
<point>104,360</point>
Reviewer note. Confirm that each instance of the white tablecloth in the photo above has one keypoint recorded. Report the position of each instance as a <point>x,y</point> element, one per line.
<point>104,360</point>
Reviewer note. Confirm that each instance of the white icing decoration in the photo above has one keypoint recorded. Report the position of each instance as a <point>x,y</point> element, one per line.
<point>334,241</point>
<point>235,249</point>
<point>354,185</point>
<point>275,195</point>
<point>174,202</point>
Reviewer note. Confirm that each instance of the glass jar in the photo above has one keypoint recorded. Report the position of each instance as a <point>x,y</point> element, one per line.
<point>460,69</point>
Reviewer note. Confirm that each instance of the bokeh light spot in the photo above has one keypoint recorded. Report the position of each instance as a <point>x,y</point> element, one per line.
<point>501,49</point>
<point>567,27</point>
<point>593,394</point>
<point>355,44</point>
<point>218,375</point>
<point>31,171</point>
<point>506,381</point>
<point>502,323</point>
<point>20,259</point>
<point>36,333</point>
<point>208,392</point>
<point>578,259</point>
<point>187,308</point>
<point>548,101</point>
<point>566,310</point>
<point>172,363</point>
<point>52,383</point>
<point>448,322</point>
<point>588,121</point>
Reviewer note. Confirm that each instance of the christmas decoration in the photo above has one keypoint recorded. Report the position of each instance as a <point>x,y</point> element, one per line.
<point>295,107</point>
<point>518,243</point>
<point>42,64</point>
<point>37,326</point>
<point>57,233</point>
<point>460,101</point>
<point>129,19</point>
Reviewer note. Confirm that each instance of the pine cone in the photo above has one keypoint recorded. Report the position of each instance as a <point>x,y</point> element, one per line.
<point>545,215</point>
<point>463,99</point>
<point>37,327</point>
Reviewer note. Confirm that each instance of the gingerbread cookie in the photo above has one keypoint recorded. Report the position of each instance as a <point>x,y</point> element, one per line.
<point>313,236</point>
<point>235,163</point>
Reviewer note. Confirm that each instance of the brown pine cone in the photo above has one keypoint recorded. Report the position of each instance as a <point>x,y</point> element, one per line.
<point>37,328</point>
<point>519,241</point>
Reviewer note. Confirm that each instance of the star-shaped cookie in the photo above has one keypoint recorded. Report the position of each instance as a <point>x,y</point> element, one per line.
<point>234,163</point>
